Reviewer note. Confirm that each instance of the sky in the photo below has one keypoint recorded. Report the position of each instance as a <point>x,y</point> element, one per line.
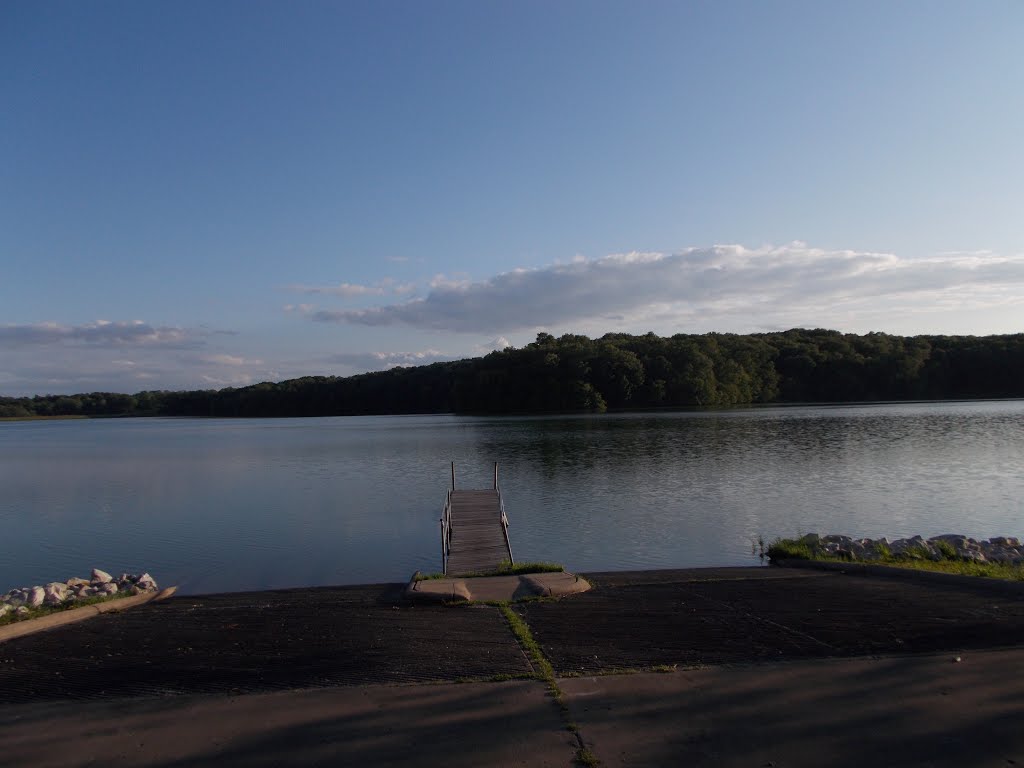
<point>196,195</point>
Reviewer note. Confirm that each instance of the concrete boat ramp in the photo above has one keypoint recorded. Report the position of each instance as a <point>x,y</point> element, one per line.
<point>707,667</point>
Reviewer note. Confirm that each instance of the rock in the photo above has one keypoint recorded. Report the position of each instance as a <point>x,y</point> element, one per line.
<point>101,577</point>
<point>110,588</point>
<point>16,601</point>
<point>837,539</point>
<point>55,593</point>
<point>21,610</point>
<point>36,595</point>
<point>74,581</point>
<point>146,582</point>
<point>5,609</point>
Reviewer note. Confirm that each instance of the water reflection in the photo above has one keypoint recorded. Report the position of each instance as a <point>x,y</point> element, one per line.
<point>225,505</point>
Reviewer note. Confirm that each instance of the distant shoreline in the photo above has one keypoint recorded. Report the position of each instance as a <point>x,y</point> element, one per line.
<point>577,374</point>
<point>533,414</point>
<point>50,418</point>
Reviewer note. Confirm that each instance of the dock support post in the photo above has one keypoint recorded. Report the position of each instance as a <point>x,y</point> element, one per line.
<point>495,475</point>
<point>453,475</point>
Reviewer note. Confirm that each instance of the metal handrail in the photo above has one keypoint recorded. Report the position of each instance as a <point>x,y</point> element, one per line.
<point>446,532</point>
<point>504,523</point>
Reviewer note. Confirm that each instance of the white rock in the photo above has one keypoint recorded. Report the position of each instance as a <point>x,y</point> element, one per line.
<point>110,588</point>
<point>74,581</point>
<point>36,595</point>
<point>836,538</point>
<point>101,577</point>
<point>5,609</point>
<point>55,593</point>
<point>21,610</point>
<point>146,582</point>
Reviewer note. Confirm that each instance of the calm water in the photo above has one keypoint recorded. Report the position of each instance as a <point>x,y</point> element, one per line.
<point>216,505</point>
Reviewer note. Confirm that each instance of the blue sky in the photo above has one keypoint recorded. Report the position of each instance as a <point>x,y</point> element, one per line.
<point>197,195</point>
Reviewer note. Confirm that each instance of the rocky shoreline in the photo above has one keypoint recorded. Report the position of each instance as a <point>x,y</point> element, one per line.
<point>23,600</point>
<point>949,546</point>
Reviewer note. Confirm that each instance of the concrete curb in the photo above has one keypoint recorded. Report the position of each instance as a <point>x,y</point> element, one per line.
<point>31,626</point>
<point>980,583</point>
<point>495,588</point>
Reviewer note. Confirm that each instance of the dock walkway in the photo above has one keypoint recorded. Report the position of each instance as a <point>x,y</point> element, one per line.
<point>474,530</point>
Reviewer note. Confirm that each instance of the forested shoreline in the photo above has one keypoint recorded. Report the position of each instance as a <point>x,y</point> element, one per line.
<point>616,371</point>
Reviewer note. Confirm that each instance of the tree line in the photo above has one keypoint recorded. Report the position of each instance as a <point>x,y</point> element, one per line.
<point>575,373</point>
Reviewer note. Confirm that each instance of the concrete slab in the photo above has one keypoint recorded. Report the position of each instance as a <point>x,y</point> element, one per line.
<point>496,588</point>
<point>492,724</point>
<point>903,711</point>
<point>438,591</point>
<point>556,584</point>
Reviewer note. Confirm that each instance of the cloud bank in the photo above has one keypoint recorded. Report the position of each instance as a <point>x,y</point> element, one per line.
<point>100,333</point>
<point>791,284</point>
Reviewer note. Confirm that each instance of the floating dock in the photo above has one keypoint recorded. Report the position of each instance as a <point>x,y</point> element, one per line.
<point>474,530</point>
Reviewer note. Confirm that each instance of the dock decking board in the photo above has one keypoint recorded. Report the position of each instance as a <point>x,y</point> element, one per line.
<point>478,536</point>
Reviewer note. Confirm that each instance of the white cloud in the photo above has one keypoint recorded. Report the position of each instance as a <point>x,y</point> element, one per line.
<point>456,282</point>
<point>495,345</point>
<point>230,360</point>
<point>375,361</point>
<point>237,380</point>
<point>787,285</point>
<point>345,290</point>
<point>99,333</point>
<point>385,286</point>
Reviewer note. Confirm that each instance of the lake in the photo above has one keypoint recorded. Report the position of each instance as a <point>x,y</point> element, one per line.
<point>225,505</point>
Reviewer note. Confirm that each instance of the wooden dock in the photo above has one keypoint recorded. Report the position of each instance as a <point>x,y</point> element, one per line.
<point>474,530</point>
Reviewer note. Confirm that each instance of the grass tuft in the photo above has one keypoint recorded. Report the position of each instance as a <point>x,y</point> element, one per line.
<point>947,550</point>
<point>546,673</point>
<point>531,647</point>
<point>790,549</point>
